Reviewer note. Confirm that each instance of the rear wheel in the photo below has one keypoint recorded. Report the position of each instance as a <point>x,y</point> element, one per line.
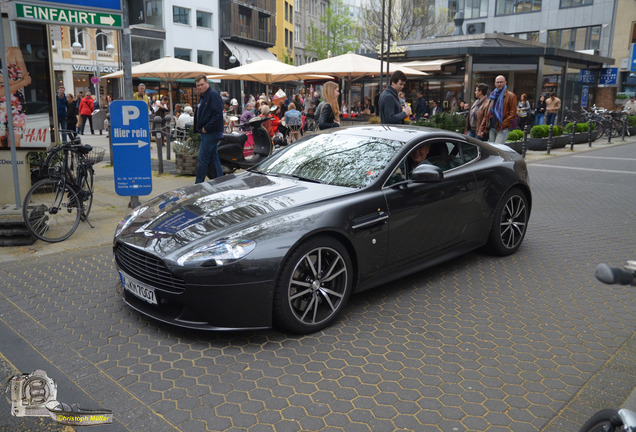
<point>314,285</point>
<point>52,210</point>
<point>510,223</point>
<point>606,420</point>
<point>87,192</point>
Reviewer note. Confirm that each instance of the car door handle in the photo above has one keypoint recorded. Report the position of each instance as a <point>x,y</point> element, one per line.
<point>368,220</point>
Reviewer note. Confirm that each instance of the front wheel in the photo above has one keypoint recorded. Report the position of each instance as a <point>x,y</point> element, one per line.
<point>314,285</point>
<point>606,420</point>
<point>86,192</point>
<point>510,223</point>
<point>52,210</point>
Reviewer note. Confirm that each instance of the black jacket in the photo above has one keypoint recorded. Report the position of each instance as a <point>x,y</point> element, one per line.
<point>209,114</point>
<point>390,108</point>
<point>326,120</point>
<point>71,115</point>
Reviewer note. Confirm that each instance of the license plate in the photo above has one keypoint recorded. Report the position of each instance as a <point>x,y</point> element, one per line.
<point>139,289</point>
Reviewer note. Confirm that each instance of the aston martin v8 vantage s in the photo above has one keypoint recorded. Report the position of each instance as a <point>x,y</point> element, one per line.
<point>285,243</point>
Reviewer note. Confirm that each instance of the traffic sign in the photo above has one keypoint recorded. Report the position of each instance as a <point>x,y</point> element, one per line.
<point>131,147</point>
<point>94,80</point>
<point>54,15</point>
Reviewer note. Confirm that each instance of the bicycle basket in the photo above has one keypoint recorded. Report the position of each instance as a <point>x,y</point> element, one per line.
<point>96,155</point>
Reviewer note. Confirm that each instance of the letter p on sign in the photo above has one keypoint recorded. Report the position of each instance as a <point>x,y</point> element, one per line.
<point>129,112</point>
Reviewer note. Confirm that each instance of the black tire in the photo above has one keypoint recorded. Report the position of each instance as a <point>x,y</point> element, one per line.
<point>52,210</point>
<point>510,223</point>
<point>314,286</point>
<point>87,192</point>
<point>606,420</point>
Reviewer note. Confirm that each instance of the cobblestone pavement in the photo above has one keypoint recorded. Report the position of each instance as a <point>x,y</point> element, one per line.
<point>526,343</point>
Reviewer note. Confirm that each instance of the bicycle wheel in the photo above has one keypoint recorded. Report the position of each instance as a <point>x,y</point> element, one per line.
<point>52,210</point>
<point>606,420</point>
<point>86,192</point>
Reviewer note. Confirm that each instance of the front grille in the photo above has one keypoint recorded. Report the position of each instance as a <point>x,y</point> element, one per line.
<point>147,268</point>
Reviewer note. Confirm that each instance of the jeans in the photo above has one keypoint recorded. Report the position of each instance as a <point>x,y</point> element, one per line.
<point>90,121</point>
<point>538,119</point>
<point>550,118</point>
<point>500,136</point>
<point>472,133</point>
<point>62,123</point>
<point>208,157</point>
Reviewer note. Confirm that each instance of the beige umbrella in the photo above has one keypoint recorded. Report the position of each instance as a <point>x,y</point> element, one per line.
<point>169,69</point>
<point>266,72</point>
<point>351,66</point>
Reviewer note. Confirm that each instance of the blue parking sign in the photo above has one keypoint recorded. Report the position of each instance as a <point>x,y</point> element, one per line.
<point>131,147</point>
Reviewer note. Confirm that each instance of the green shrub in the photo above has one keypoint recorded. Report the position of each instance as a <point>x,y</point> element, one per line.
<point>451,122</point>
<point>622,96</point>
<point>580,127</point>
<point>542,131</point>
<point>515,135</point>
<point>631,120</point>
<point>374,119</point>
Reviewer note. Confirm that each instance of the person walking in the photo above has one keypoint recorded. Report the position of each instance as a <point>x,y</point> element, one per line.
<point>502,110</point>
<point>479,110</point>
<point>86,108</point>
<point>61,111</point>
<point>552,107</point>
<point>539,111</point>
<point>391,110</point>
<point>71,115</point>
<point>209,123</point>
<point>630,106</point>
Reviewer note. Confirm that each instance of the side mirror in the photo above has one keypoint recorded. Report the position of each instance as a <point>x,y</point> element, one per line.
<point>427,173</point>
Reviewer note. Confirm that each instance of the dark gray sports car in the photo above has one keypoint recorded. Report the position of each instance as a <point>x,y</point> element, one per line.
<point>286,242</point>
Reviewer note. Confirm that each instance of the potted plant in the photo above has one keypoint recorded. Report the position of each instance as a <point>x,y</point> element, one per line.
<point>515,140</point>
<point>186,153</point>
<point>539,137</point>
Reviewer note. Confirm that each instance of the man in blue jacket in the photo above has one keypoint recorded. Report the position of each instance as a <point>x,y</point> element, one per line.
<point>209,123</point>
<point>391,110</point>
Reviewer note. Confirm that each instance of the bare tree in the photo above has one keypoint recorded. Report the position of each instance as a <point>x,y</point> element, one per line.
<point>410,19</point>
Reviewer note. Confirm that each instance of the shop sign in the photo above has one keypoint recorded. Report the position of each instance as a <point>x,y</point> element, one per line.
<point>588,76</point>
<point>632,58</point>
<point>608,77</point>
<point>91,68</point>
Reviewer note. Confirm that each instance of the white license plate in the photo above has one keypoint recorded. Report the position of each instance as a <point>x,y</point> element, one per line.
<point>139,289</point>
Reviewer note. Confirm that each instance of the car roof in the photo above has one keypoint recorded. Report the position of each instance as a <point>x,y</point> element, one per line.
<point>402,133</point>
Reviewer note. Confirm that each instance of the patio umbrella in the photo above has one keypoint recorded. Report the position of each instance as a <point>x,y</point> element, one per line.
<point>351,66</point>
<point>169,69</point>
<point>267,72</point>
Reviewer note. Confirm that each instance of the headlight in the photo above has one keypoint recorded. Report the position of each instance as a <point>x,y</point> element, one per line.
<point>221,253</point>
<point>129,219</point>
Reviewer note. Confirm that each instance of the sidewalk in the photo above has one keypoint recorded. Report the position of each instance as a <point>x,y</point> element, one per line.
<point>109,208</point>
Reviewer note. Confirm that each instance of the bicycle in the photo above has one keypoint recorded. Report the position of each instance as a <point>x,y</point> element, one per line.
<point>612,420</point>
<point>63,195</point>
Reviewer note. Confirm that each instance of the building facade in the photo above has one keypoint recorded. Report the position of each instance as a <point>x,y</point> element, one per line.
<point>283,49</point>
<point>307,12</point>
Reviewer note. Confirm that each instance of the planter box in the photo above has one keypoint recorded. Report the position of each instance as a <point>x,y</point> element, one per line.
<point>186,164</point>
<point>541,144</point>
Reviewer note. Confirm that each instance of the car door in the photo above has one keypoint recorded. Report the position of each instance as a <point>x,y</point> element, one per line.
<point>427,218</point>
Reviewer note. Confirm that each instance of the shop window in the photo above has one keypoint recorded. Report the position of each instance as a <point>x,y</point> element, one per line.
<point>575,3</point>
<point>180,15</point>
<point>510,7</point>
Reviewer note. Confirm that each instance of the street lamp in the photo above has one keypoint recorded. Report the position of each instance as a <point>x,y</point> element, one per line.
<point>248,60</point>
<point>110,48</point>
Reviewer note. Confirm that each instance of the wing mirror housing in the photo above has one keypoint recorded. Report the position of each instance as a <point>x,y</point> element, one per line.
<point>427,173</point>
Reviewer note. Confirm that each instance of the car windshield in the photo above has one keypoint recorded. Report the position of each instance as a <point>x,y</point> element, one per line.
<point>335,159</point>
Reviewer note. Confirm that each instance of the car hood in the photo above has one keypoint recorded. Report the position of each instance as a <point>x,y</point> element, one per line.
<point>218,209</point>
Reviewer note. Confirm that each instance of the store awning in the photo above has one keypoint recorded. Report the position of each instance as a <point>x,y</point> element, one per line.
<point>427,65</point>
<point>244,52</point>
